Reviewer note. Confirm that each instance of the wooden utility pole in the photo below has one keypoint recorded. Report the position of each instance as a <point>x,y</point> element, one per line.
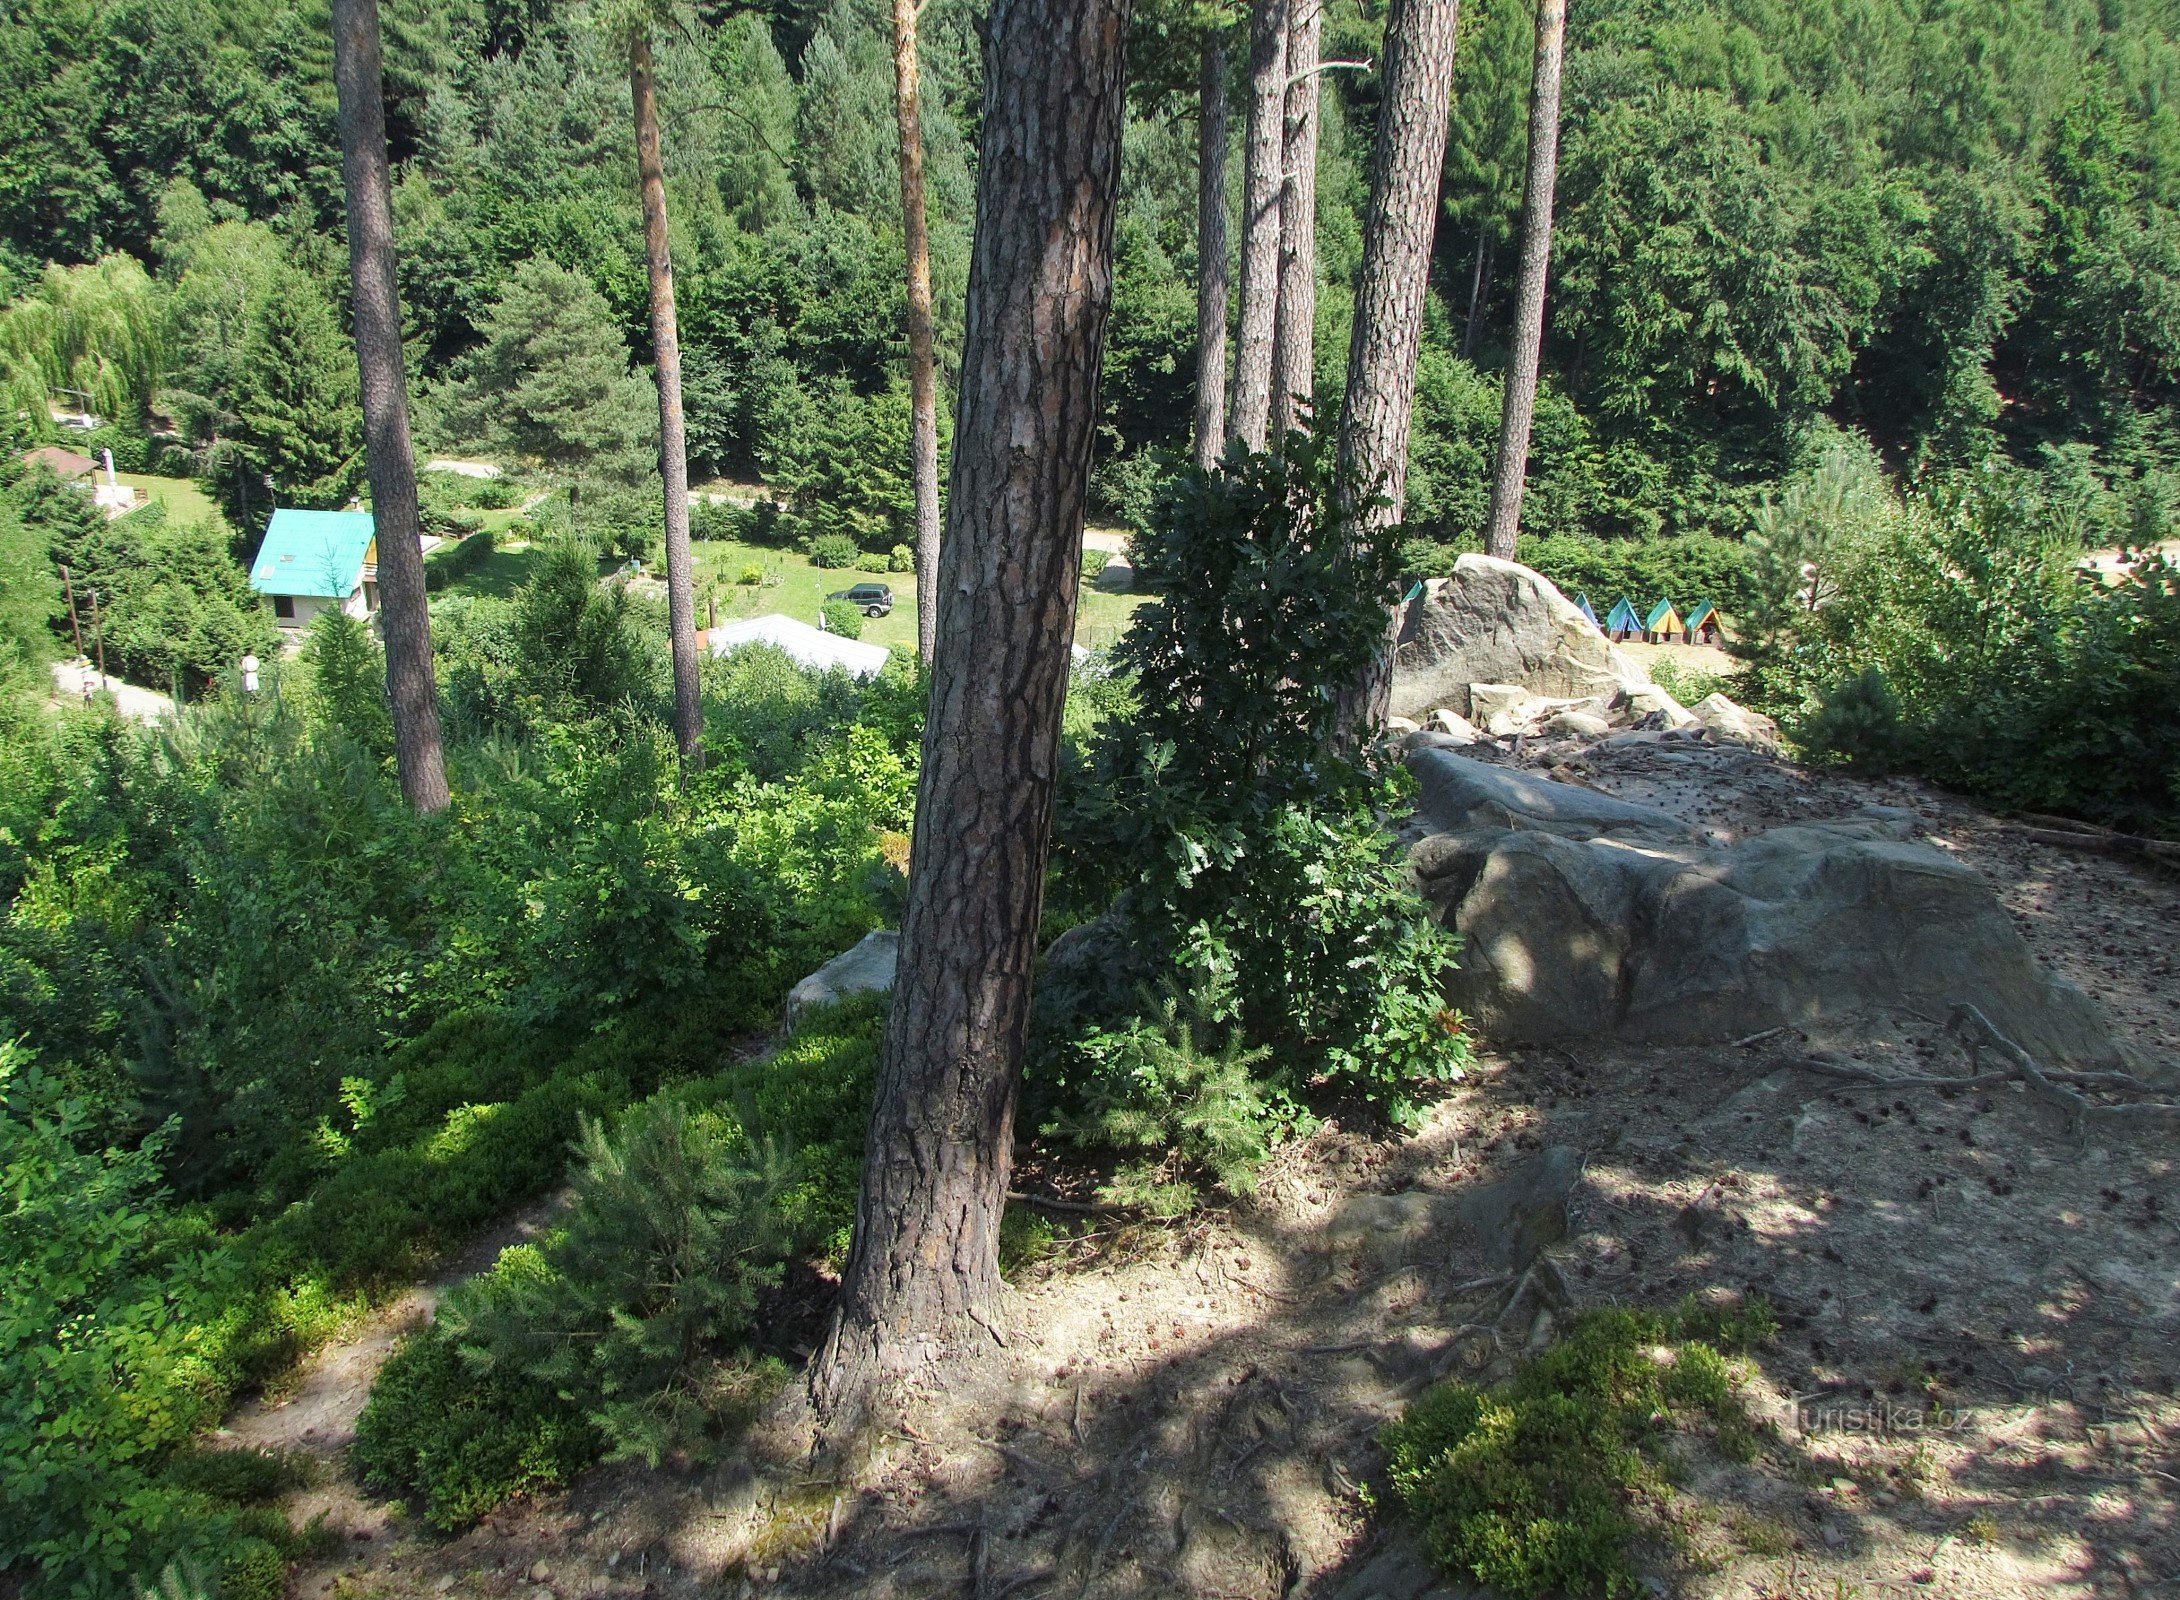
<point>1294,345</point>
<point>1264,154</point>
<point>404,610</point>
<point>1389,295</point>
<point>673,427</point>
<point>922,1280</point>
<point>75,627</point>
<point>923,384</point>
<point>1519,408</point>
<point>1211,246</point>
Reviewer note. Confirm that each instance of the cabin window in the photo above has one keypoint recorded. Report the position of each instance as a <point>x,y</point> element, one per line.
<point>284,607</point>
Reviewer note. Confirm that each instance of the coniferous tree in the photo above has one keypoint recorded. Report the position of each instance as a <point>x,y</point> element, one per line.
<point>666,356</point>
<point>298,426</point>
<point>1264,152</point>
<point>1211,246</point>
<point>410,682</point>
<point>923,1274</point>
<point>1381,364</point>
<point>923,380</point>
<point>1294,343</point>
<point>1536,253</point>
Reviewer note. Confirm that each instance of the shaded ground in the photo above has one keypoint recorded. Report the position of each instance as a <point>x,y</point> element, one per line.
<point>1973,1393</point>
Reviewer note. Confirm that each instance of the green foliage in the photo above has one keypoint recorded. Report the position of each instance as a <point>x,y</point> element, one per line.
<point>834,552</point>
<point>642,1309</point>
<point>464,1442</point>
<point>1956,634</point>
<point>103,1369</point>
<point>447,566</point>
<point>901,559</point>
<point>1176,1079</point>
<point>298,421</point>
<point>1228,837</point>
<point>842,457</point>
<point>633,1330</point>
<point>348,681</point>
<point>1539,1486</point>
<point>844,618</point>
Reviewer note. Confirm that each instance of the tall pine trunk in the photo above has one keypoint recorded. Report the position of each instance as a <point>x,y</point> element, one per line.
<point>404,614</point>
<point>1211,245</point>
<point>1294,352</point>
<point>1504,525</point>
<point>673,430</point>
<point>1264,154</point>
<point>1389,293</point>
<point>922,1277</point>
<point>923,392</point>
<point>1479,291</point>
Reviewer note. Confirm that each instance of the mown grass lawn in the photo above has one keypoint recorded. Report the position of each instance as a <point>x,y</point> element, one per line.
<point>185,502</point>
<point>791,585</point>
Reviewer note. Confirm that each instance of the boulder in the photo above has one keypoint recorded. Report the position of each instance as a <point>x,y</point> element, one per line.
<point>1647,703</point>
<point>1497,622</point>
<point>1736,722</point>
<point>1399,727</point>
<point>865,969</point>
<point>1585,917</point>
<point>1577,724</point>
<point>1454,725</point>
<point>1460,794</point>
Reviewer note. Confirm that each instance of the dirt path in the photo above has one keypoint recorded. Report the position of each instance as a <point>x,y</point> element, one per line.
<point>1973,1393</point>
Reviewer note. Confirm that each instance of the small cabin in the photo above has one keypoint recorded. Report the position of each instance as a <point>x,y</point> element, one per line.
<point>1663,625</point>
<point>316,561</point>
<point>1703,625</point>
<point>1623,621</point>
<point>1589,612</point>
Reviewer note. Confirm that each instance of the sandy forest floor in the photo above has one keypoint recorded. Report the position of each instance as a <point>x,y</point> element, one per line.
<point>1973,1392</point>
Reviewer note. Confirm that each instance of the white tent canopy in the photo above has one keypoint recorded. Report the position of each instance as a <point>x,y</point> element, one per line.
<point>812,649</point>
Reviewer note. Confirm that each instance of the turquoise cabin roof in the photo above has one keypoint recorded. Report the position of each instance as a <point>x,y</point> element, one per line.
<point>1658,614</point>
<point>1582,604</point>
<point>1624,615</point>
<point>1702,612</point>
<point>312,553</point>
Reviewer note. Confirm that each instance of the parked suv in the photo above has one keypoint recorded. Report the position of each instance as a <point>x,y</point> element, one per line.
<point>873,599</point>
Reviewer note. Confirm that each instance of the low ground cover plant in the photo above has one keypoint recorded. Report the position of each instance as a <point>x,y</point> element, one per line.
<point>1544,1484</point>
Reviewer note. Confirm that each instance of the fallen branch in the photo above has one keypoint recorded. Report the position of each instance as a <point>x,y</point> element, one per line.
<point>1088,1208</point>
<point>2064,834</point>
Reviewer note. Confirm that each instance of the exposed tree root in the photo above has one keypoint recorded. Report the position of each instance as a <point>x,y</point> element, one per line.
<point>1976,1034</point>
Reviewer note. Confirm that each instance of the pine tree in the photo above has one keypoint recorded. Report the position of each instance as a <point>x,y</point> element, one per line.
<point>298,423</point>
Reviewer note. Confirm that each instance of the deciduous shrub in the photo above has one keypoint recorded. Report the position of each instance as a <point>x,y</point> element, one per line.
<point>843,618</point>
<point>834,552</point>
<point>1228,836</point>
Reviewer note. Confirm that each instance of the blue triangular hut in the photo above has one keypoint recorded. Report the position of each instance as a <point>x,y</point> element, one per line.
<point>1623,621</point>
<point>1582,604</point>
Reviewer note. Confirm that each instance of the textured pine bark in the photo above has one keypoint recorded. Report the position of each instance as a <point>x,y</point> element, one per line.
<point>403,612</point>
<point>922,1280</point>
<point>923,388</point>
<point>673,429</point>
<point>1211,247</point>
<point>1388,331</point>
<point>1504,524</point>
<point>1264,153</point>
<point>1294,345</point>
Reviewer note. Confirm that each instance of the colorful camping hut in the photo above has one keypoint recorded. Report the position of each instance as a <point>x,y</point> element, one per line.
<point>1702,621</point>
<point>1582,604</point>
<point>1664,624</point>
<point>1623,621</point>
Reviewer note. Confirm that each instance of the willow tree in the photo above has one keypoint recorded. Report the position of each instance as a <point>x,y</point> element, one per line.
<point>1264,155</point>
<point>635,19</point>
<point>922,1279</point>
<point>1520,404</point>
<point>1389,294</point>
<point>923,383</point>
<point>404,613</point>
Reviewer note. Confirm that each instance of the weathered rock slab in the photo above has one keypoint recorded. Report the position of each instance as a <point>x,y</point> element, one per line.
<point>866,968</point>
<point>1581,921</point>
<point>1498,622</point>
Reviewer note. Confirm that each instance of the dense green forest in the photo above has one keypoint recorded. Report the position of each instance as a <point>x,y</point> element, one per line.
<point>1949,228</point>
<point>1874,302</point>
